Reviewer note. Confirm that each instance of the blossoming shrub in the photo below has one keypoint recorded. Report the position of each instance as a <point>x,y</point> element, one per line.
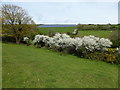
<point>75,32</point>
<point>89,46</point>
<point>27,41</point>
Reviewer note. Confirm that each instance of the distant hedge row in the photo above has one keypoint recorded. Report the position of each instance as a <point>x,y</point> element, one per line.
<point>97,27</point>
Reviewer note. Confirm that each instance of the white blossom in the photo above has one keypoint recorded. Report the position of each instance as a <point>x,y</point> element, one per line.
<point>64,41</point>
<point>25,39</point>
<point>105,42</point>
<point>75,32</point>
<point>118,49</point>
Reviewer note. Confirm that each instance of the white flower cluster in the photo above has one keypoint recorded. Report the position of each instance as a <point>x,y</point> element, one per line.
<point>75,32</point>
<point>118,49</point>
<point>90,43</point>
<point>25,39</point>
<point>95,43</point>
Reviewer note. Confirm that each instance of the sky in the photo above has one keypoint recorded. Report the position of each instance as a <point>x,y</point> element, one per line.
<point>70,12</point>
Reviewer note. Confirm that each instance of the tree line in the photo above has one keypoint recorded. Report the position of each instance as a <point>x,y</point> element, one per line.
<point>97,27</point>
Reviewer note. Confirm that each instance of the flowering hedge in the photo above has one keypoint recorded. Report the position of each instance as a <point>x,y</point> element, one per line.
<point>78,46</point>
<point>90,43</point>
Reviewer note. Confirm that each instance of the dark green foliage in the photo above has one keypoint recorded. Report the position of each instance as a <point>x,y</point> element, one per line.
<point>96,27</point>
<point>115,38</point>
<point>110,56</point>
<point>8,39</point>
<point>68,33</point>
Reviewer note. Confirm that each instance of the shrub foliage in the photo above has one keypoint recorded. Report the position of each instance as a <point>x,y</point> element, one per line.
<point>88,47</point>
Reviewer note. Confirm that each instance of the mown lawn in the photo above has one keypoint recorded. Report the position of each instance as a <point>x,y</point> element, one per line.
<point>30,67</point>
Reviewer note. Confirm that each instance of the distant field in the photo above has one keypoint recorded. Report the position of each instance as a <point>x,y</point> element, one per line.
<point>46,30</point>
<point>58,25</point>
<point>100,33</point>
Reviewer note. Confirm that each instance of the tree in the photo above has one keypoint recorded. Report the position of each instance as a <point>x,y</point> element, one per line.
<point>16,22</point>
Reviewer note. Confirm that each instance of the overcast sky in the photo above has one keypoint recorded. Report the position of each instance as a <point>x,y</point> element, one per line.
<point>72,12</point>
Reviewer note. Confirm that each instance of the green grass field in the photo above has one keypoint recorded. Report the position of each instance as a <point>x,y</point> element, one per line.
<point>99,33</point>
<point>46,30</point>
<point>30,67</point>
<point>102,34</point>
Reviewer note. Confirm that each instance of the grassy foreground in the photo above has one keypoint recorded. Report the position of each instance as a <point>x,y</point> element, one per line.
<point>30,67</point>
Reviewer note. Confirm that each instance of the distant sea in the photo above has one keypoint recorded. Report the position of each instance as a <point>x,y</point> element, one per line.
<point>57,25</point>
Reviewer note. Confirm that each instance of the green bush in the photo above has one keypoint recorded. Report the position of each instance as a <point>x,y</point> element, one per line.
<point>69,50</point>
<point>115,38</point>
<point>6,38</point>
<point>95,56</point>
<point>110,56</point>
